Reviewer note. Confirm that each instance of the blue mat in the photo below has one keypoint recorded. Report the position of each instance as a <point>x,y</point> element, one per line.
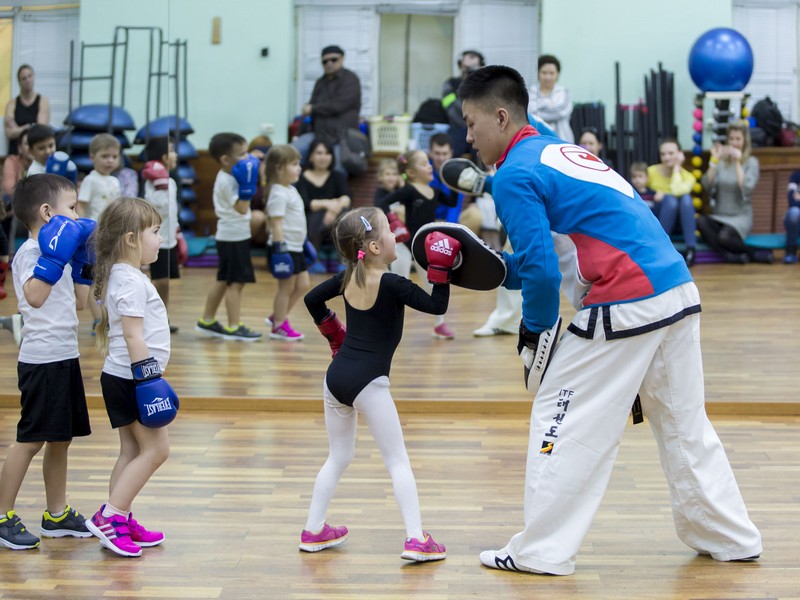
<point>95,118</point>
<point>162,127</point>
<point>79,139</point>
<point>767,241</point>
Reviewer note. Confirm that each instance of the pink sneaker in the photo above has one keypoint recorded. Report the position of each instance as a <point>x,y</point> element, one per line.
<point>328,537</point>
<point>141,536</point>
<point>428,549</point>
<point>285,332</point>
<point>113,533</point>
<point>443,332</point>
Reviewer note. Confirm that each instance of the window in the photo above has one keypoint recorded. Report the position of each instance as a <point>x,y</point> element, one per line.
<point>41,39</point>
<point>771,29</point>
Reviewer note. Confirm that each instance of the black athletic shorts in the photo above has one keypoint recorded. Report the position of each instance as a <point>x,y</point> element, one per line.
<point>119,394</point>
<point>166,265</point>
<point>53,402</point>
<point>235,264</point>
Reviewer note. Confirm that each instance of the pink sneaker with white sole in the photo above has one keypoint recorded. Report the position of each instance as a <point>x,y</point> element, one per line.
<point>113,533</point>
<point>285,332</point>
<point>427,549</point>
<point>328,537</point>
<point>443,332</point>
<point>143,537</point>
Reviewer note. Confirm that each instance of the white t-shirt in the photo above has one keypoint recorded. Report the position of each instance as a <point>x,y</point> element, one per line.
<point>36,168</point>
<point>284,201</point>
<point>98,191</point>
<point>129,293</point>
<point>49,333</point>
<point>232,226</point>
<point>166,203</point>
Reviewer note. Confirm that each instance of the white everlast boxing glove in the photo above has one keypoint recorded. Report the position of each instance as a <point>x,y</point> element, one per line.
<point>464,176</point>
<point>536,350</point>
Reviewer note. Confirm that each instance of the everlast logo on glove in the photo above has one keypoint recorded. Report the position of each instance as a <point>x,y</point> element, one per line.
<point>158,405</point>
<point>150,370</point>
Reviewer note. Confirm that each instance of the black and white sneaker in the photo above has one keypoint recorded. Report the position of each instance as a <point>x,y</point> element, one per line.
<point>70,524</point>
<point>14,535</point>
<point>210,328</point>
<point>241,333</point>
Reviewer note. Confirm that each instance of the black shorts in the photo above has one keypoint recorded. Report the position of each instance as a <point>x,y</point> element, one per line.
<point>235,264</point>
<point>53,402</point>
<point>166,265</point>
<point>119,394</point>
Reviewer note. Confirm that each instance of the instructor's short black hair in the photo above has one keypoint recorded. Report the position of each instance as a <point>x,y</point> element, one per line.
<point>497,85</point>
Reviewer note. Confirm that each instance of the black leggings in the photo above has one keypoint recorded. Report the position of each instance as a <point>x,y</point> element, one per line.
<point>721,238</point>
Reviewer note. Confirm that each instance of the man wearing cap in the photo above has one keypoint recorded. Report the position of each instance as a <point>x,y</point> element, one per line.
<point>336,100</point>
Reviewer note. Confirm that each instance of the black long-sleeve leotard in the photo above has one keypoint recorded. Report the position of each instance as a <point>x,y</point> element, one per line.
<point>373,334</point>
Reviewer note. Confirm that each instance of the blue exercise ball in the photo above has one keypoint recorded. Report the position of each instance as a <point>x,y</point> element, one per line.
<point>721,60</point>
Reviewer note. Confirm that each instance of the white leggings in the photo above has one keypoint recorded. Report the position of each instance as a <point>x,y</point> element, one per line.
<point>402,266</point>
<point>376,404</point>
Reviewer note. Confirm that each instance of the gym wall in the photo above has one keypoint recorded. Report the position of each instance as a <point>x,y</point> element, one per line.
<point>231,87</point>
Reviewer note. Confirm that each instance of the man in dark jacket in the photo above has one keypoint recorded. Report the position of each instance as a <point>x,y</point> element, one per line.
<point>336,100</point>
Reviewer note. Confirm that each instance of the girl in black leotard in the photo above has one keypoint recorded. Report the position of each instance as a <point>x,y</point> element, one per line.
<point>358,377</point>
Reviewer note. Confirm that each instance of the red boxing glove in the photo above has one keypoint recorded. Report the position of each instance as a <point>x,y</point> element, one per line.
<point>182,247</point>
<point>157,173</point>
<point>398,228</point>
<point>441,251</point>
<point>333,330</point>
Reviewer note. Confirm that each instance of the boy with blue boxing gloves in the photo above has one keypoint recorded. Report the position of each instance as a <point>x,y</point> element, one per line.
<point>234,188</point>
<point>52,273</point>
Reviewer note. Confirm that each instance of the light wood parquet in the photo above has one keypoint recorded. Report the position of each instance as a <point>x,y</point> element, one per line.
<point>233,496</point>
<point>750,332</point>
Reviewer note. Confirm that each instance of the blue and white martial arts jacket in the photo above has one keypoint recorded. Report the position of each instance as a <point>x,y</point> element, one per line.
<point>621,252</point>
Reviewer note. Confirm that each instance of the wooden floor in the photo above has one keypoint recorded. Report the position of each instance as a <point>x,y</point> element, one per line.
<point>233,497</point>
<point>750,337</point>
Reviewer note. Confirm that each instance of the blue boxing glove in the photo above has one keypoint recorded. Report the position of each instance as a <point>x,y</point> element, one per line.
<point>58,241</point>
<point>157,402</point>
<point>310,253</point>
<point>246,174</point>
<point>83,260</point>
<point>59,163</point>
<point>280,261</point>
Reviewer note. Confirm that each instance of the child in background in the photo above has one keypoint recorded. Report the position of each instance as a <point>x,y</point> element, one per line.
<point>640,182</point>
<point>420,201</point>
<point>42,145</point>
<point>49,282</point>
<point>99,188</point>
<point>162,192</point>
<point>388,180</point>
<point>287,221</point>
<point>134,338</point>
<point>672,184</point>
<point>357,380</point>
<point>234,188</point>
<point>792,219</point>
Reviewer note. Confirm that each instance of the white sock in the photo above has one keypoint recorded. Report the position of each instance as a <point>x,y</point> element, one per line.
<point>110,511</point>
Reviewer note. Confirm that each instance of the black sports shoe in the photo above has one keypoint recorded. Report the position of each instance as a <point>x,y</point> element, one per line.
<point>14,535</point>
<point>70,524</point>
<point>241,333</point>
<point>210,328</point>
